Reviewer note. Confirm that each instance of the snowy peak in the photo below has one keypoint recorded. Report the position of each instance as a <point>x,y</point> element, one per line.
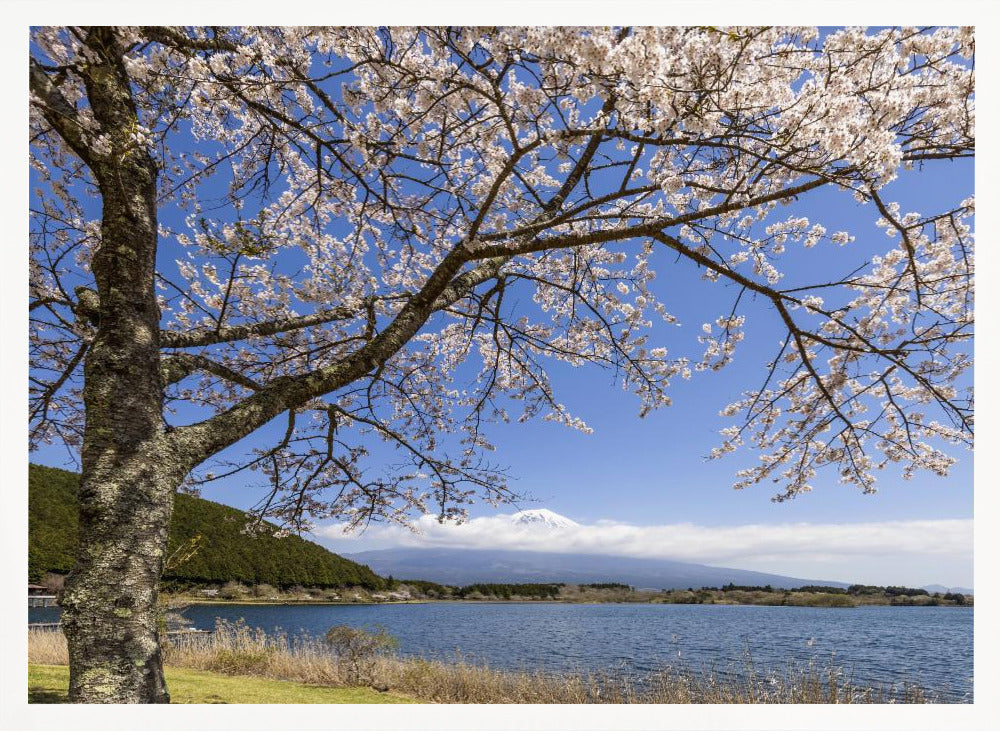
<point>542,518</point>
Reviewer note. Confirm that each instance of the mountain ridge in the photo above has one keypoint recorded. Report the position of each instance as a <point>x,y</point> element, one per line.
<point>224,553</point>
<point>460,566</point>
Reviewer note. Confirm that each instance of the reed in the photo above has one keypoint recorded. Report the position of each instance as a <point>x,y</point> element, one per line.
<point>235,649</point>
<point>47,647</point>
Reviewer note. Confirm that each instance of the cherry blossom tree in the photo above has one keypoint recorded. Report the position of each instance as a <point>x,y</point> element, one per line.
<point>322,227</point>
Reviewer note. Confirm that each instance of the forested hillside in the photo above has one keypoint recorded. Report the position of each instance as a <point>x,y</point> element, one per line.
<point>222,553</point>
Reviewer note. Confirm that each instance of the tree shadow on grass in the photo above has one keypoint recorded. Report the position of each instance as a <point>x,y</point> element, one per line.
<point>44,695</point>
<point>206,699</point>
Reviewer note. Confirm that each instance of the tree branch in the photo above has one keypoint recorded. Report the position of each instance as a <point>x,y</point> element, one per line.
<point>176,368</point>
<point>443,288</point>
<point>169,339</point>
<point>645,229</point>
<point>58,112</point>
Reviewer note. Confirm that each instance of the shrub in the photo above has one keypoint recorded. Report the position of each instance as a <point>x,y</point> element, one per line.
<point>54,583</point>
<point>822,589</point>
<point>241,661</point>
<point>358,651</point>
<point>233,590</point>
<point>832,600</point>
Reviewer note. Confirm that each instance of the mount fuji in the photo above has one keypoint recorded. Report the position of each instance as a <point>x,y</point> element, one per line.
<point>542,518</point>
<point>462,566</point>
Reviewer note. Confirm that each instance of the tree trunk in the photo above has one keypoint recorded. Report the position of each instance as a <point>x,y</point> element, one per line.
<point>129,478</point>
<point>110,604</point>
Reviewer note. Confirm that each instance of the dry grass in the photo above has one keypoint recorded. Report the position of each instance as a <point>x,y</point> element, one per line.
<point>238,650</point>
<point>46,647</point>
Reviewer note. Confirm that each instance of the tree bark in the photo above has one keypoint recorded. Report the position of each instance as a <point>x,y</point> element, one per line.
<point>129,478</point>
<point>110,604</point>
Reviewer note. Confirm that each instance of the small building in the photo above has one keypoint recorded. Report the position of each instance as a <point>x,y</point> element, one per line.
<point>39,596</point>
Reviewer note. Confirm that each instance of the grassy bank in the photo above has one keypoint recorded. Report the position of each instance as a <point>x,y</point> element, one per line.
<point>235,650</point>
<point>49,684</point>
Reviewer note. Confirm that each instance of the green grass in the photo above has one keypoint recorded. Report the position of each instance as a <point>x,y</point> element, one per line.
<point>49,684</point>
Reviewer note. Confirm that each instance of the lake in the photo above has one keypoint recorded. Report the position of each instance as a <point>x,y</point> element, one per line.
<point>929,646</point>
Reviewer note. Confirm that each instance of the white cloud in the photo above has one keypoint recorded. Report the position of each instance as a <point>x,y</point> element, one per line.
<point>896,551</point>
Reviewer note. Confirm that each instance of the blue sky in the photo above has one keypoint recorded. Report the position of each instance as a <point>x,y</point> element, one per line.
<point>652,472</point>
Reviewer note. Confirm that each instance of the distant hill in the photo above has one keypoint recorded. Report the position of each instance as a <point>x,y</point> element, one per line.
<point>224,553</point>
<point>464,566</point>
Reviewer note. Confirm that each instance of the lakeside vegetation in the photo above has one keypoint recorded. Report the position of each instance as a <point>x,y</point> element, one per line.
<point>417,590</point>
<point>248,655</point>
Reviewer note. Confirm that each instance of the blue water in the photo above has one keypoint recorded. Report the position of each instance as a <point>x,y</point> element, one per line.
<point>929,646</point>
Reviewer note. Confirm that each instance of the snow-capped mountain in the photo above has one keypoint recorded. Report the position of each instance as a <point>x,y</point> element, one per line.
<point>542,518</point>
<point>461,566</point>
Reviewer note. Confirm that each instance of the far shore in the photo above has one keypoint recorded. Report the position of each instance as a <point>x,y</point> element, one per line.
<point>323,602</point>
<point>422,592</point>
<point>828,601</point>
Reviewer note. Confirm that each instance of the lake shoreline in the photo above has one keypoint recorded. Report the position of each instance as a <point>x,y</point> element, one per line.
<point>189,600</point>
